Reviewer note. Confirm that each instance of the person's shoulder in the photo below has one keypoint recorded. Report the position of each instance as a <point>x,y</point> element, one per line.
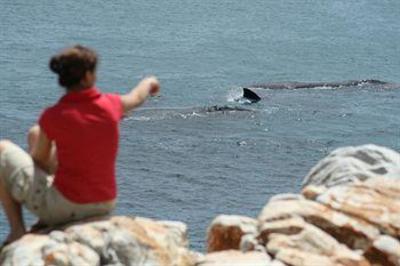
<point>111,95</point>
<point>49,110</point>
<point>48,120</point>
<point>115,103</point>
<point>114,98</point>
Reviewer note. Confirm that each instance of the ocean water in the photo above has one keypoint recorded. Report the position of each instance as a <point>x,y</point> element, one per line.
<point>179,157</point>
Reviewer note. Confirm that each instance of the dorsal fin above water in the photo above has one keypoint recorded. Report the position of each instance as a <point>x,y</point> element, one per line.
<point>250,95</point>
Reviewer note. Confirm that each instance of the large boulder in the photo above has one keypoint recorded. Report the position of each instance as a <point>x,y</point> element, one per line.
<point>353,232</point>
<point>237,258</point>
<point>311,245</point>
<point>226,232</point>
<point>373,201</point>
<point>347,215</point>
<point>348,164</point>
<point>114,241</point>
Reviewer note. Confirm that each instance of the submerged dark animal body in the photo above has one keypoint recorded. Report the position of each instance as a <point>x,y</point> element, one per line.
<point>252,97</point>
<point>152,114</point>
<point>308,85</point>
<point>223,108</point>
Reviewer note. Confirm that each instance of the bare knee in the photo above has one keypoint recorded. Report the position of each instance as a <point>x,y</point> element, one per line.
<point>34,132</point>
<point>33,136</point>
<point>4,143</point>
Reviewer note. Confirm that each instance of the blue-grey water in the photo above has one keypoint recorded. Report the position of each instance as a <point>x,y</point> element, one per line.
<point>177,161</point>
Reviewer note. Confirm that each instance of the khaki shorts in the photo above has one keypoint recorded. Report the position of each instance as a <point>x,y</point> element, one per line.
<point>32,187</point>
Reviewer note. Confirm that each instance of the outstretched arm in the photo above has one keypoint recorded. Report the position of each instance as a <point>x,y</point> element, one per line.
<point>138,95</point>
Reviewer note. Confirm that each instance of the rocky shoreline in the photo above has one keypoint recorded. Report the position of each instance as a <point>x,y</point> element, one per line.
<point>348,214</point>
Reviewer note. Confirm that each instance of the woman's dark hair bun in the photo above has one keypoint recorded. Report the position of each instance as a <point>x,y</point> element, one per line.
<point>55,64</point>
<point>72,64</point>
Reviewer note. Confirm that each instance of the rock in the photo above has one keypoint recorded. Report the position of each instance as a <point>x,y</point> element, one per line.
<point>226,232</point>
<point>386,186</point>
<point>236,258</point>
<point>283,216</point>
<point>367,201</point>
<point>287,196</point>
<point>376,201</point>
<point>277,263</point>
<point>249,242</point>
<point>347,215</point>
<point>26,251</point>
<point>385,251</point>
<point>295,257</point>
<point>345,165</point>
<point>66,254</point>
<point>110,241</point>
<point>177,232</point>
<point>288,226</point>
<point>312,246</point>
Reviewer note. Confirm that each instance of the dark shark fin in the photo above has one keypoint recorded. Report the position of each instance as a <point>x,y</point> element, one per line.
<point>250,95</point>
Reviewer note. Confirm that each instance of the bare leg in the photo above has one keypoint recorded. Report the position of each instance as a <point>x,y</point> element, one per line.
<point>33,138</point>
<point>11,207</point>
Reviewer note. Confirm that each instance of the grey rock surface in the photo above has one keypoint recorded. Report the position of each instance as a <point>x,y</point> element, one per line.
<point>348,164</point>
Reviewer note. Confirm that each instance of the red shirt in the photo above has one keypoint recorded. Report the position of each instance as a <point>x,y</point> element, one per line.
<point>85,128</point>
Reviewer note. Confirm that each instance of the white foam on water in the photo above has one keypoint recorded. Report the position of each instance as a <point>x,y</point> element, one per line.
<point>327,88</point>
<point>234,95</point>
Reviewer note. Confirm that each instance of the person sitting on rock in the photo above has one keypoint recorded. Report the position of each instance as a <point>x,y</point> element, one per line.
<point>69,172</point>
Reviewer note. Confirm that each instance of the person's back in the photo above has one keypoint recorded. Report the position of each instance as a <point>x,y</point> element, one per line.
<point>84,127</point>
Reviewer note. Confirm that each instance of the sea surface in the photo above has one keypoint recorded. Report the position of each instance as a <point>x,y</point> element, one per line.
<point>184,155</point>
